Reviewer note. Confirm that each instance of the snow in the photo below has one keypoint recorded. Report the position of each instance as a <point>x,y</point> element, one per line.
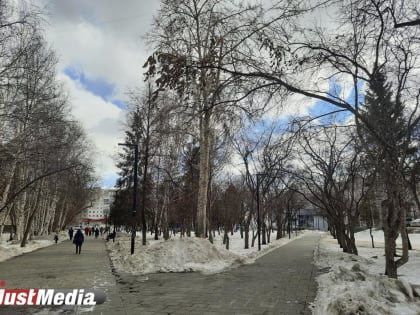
<point>185,254</point>
<point>174,255</point>
<point>348,284</point>
<point>9,249</point>
<point>357,284</point>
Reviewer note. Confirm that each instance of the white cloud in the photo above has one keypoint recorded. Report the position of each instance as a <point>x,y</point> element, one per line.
<point>103,122</point>
<point>102,38</point>
<point>100,56</point>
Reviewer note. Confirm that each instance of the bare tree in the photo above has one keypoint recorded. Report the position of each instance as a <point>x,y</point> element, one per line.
<point>39,143</point>
<point>329,64</point>
<point>192,38</point>
<point>404,13</point>
<point>332,180</point>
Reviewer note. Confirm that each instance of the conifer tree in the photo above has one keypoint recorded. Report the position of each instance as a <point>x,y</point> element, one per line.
<point>386,144</point>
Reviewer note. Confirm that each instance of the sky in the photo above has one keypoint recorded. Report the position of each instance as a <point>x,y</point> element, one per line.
<point>101,52</point>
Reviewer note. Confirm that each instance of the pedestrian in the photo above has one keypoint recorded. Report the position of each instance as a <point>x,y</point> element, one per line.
<point>96,232</point>
<point>111,236</point>
<point>56,237</point>
<point>78,240</point>
<point>71,233</point>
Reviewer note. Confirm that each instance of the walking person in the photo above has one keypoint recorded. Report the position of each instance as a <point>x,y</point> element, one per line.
<point>71,233</point>
<point>96,232</point>
<point>78,240</point>
<point>56,237</point>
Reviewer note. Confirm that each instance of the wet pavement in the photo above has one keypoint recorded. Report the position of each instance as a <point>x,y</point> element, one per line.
<point>281,282</point>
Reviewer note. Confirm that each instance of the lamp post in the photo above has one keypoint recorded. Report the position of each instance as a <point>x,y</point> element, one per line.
<point>106,220</point>
<point>258,209</point>
<point>136,157</point>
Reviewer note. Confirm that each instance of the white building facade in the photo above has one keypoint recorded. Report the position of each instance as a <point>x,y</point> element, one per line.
<point>99,211</point>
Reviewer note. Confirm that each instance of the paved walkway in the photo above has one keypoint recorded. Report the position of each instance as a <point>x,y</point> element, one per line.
<point>58,267</point>
<point>281,282</point>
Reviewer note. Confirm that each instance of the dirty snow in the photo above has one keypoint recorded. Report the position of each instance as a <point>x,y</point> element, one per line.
<point>348,284</point>
<point>10,249</point>
<point>357,285</point>
<point>186,254</point>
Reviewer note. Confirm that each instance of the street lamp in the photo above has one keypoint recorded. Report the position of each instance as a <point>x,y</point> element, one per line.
<point>258,209</point>
<point>136,157</point>
<point>106,213</point>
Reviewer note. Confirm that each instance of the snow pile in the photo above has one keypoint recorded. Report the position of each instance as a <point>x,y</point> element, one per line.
<point>349,288</point>
<point>9,250</point>
<point>174,255</point>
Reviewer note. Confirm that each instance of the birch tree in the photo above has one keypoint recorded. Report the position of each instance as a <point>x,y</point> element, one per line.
<point>191,38</point>
<point>39,142</point>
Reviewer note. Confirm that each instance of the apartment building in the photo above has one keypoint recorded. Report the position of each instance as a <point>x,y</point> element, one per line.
<point>99,210</point>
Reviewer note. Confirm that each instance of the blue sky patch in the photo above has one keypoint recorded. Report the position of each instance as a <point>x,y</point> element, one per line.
<point>323,108</point>
<point>327,112</point>
<point>96,86</point>
<point>109,181</point>
<point>119,104</point>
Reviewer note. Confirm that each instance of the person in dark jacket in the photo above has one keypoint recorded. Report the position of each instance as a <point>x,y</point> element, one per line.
<point>71,233</point>
<point>111,236</point>
<point>78,240</point>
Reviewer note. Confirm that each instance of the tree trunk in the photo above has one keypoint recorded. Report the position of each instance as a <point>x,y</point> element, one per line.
<point>413,188</point>
<point>156,232</point>
<point>210,236</point>
<point>390,248</point>
<point>5,215</point>
<point>143,204</point>
<point>227,243</point>
<point>204,174</point>
<point>279,234</point>
<point>32,215</point>
<point>246,230</point>
<point>226,239</point>
<point>390,234</point>
<point>254,237</point>
<point>6,189</point>
<point>404,237</point>
<point>165,219</point>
